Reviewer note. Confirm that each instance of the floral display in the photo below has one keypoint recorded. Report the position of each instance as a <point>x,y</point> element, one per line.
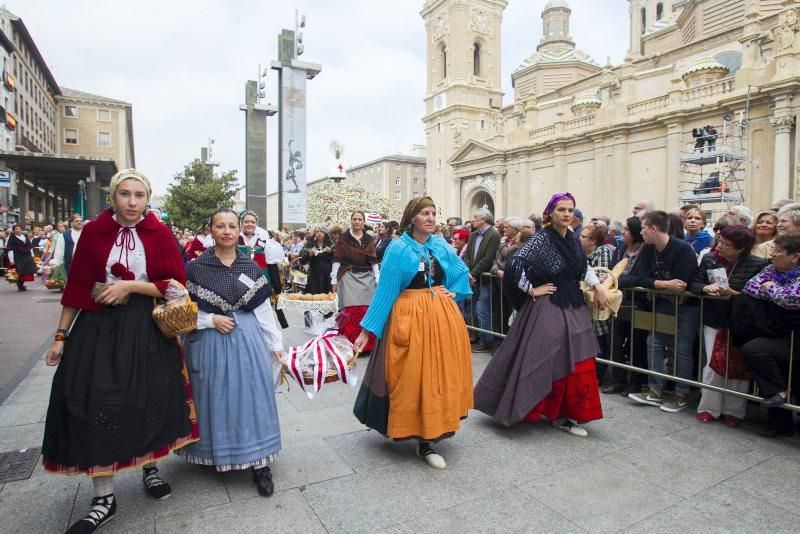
<point>332,203</point>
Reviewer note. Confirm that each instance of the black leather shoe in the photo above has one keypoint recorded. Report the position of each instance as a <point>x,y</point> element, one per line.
<point>263,480</point>
<point>102,511</point>
<point>774,400</point>
<point>156,488</point>
<point>612,388</point>
<point>775,433</point>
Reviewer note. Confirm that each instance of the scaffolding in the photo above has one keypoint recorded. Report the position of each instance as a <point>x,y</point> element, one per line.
<point>713,165</point>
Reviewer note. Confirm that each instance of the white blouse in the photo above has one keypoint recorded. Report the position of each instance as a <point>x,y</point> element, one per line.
<point>129,246</point>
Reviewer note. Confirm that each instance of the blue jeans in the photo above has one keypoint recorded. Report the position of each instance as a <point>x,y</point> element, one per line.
<point>688,325</point>
<point>483,307</point>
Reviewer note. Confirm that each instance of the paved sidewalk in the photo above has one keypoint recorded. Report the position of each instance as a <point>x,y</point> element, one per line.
<point>641,470</point>
<point>29,319</point>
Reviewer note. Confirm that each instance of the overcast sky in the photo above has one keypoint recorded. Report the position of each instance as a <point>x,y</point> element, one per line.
<point>183,65</point>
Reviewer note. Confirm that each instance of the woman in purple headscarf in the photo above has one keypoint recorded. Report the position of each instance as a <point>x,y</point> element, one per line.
<point>545,367</point>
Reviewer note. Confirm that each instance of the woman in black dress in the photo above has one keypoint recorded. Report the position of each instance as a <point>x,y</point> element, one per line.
<point>318,255</point>
<point>19,253</point>
<point>120,397</point>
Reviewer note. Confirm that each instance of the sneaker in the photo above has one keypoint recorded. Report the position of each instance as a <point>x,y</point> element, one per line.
<point>705,417</point>
<point>646,397</point>
<point>675,405</point>
<point>103,510</point>
<point>426,452</point>
<point>570,427</point>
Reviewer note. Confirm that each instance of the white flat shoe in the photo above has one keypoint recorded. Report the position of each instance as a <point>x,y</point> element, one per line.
<point>571,428</point>
<point>431,458</point>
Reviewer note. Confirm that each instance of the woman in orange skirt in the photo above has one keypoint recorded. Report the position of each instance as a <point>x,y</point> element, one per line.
<point>418,384</point>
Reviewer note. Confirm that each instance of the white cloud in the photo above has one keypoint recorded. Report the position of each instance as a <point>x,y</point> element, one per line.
<point>183,65</point>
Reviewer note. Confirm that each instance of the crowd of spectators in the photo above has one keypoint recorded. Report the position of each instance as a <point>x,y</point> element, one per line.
<point>742,262</point>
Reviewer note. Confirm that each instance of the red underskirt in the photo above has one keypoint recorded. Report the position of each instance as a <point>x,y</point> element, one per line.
<point>576,397</point>
<point>349,324</point>
<point>26,277</point>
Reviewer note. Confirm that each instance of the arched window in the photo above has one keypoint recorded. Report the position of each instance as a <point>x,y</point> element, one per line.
<point>659,10</point>
<point>476,59</point>
<point>443,62</point>
<point>644,20</point>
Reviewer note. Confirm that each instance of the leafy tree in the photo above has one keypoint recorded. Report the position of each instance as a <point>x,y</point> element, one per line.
<point>197,193</point>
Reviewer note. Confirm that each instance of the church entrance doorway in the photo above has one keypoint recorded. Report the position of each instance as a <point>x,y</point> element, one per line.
<point>480,199</point>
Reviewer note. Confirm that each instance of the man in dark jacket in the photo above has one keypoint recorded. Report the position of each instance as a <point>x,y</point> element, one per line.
<point>667,263</point>
<point>479,257</point>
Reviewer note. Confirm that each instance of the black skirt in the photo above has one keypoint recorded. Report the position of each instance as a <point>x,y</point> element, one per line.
<point>24,263</point>
<point>119,397</point>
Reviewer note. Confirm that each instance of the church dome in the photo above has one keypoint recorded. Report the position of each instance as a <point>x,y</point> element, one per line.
<point>558,54</point>
<point>555,4</point>
<point>706,69</point>
<point>585,104</point>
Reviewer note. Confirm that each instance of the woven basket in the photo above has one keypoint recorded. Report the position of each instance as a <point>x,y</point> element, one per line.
<point>175,317</point>
<point>330,376</point>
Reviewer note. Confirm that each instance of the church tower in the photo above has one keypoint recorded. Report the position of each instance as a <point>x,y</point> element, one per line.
<point>464,93</point>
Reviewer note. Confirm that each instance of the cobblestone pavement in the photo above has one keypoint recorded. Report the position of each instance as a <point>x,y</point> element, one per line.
<point>641,470</point>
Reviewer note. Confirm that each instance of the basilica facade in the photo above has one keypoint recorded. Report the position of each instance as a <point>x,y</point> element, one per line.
<point>614,134</point>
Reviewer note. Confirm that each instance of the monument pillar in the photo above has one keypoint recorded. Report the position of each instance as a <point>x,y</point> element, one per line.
<point>293,158</point>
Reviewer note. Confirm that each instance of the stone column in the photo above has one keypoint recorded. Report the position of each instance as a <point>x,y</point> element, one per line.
<point>93,206</point>
<point>674,131</point>
<point>601,193</point>
<point>559,169</point>
<point>781,174</point>
<point>622,202</point>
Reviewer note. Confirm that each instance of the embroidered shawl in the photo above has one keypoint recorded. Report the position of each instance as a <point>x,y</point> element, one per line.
<point>220,289</point>
<point>549,258</point>
<point>352,254</point>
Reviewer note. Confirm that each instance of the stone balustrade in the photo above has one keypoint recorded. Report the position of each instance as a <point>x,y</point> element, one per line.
<point>647,107</point>
<point>715,89</point>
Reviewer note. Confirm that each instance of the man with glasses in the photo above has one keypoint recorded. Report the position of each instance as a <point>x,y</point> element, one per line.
<point>479,257</point>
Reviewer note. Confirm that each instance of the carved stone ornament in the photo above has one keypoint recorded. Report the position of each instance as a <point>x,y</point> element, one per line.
<point>440,28</point>
<point>480,22</point>
<point>786,30</point>
<point>499,123</point>
<point>782,124</point>
<point>488,182</point>
<point>499,172</point>
<point>458,137</point>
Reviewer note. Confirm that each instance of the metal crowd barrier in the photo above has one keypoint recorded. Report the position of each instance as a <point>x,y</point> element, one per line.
<point>641,319</point>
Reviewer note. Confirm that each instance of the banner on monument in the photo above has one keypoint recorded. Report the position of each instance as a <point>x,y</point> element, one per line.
<point>293,141</point>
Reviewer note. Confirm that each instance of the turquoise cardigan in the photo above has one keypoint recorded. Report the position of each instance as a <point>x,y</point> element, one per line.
<point>400,265</point>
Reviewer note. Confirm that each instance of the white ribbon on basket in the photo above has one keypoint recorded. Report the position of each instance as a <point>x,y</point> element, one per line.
<point>320,347</point>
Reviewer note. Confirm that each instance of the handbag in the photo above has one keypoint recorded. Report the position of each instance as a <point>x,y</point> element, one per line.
<point>736,368</point>
<point>175,314</point>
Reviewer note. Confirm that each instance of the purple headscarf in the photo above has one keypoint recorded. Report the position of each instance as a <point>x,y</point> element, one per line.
<point>555,199</point>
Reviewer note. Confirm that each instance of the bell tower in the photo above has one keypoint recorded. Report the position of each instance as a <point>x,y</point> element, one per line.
<point>464,92</point>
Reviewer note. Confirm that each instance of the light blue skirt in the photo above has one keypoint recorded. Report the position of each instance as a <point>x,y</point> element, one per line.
<point>234,394</point>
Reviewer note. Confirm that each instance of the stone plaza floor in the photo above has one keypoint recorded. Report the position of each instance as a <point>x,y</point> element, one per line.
<point>640,470</point>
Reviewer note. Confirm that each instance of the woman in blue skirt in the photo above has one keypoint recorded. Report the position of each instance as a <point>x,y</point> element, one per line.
<point>229,359</point>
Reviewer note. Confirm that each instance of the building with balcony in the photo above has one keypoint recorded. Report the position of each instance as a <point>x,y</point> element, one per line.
<point>610,134</point>
<point>53,167</point>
